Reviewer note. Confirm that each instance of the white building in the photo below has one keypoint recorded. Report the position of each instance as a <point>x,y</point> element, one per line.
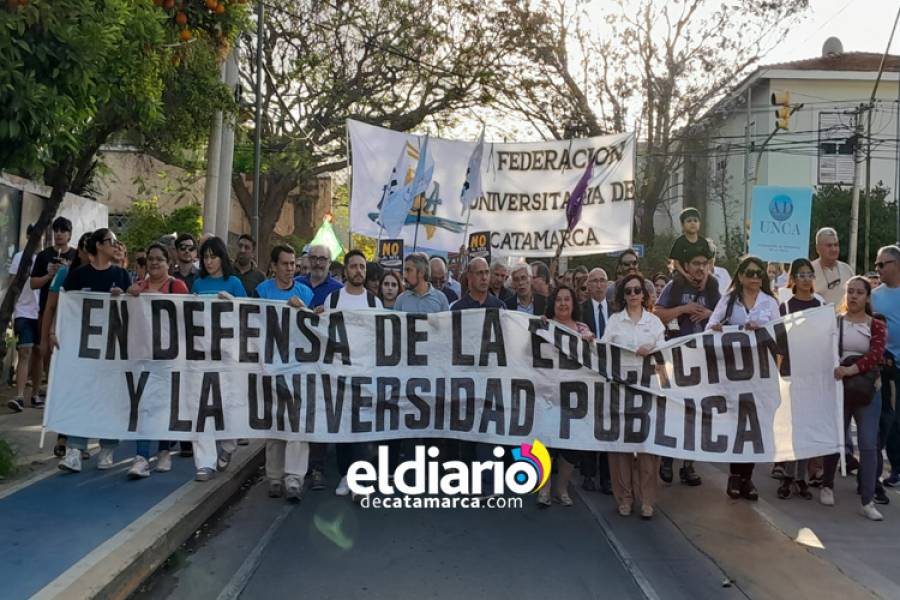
<point>814,150</point>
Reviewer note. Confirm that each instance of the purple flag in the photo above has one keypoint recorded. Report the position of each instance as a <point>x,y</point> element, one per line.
<point>573,208</point>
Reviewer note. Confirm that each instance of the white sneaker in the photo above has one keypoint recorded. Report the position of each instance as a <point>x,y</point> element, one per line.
<point>826,496</point>
<point>164,461</point>
<point>105,458</point>
<point>71,461</point>
<point>870,512</point>
<point>343,488</point>
<point>293,488</point>
<point>139,469</point>
<point>223,461</point>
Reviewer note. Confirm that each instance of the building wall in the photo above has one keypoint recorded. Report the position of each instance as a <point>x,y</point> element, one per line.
<point>791,158</point>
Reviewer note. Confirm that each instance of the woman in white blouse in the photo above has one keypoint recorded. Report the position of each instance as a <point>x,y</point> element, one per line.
<point>749,304</point>
<point>637,329</point>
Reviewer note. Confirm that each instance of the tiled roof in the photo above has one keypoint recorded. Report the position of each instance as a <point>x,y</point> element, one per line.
<point>848,61</point>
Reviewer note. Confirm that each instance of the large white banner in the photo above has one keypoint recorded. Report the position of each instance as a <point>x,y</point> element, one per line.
<point>526,187</point>
<point>175,368</point>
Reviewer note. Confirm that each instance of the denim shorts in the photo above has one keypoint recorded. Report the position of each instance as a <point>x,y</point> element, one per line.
<point>26,331</point>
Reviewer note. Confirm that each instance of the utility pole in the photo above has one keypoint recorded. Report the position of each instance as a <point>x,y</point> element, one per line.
<point>868,183</point>
<point>213,161</point>
<point>226,156</point>
<point>746,227</point>
<point>854,202</point>
<point>257,136</point>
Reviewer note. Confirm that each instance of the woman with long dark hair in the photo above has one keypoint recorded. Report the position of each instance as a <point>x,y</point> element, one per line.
<point>801,281</point>
<point>634,327</point>
<point>216,277</point>
<point>99,275</point>
<point>748,304</point>
<point>862,339</point>
<point>563,309</point>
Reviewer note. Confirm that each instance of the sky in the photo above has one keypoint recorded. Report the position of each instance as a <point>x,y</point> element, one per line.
<point>861,25</point>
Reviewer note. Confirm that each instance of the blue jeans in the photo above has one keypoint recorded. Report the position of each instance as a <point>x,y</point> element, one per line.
<point>145,447</point>
<point>867,420</point>
<point>80,443</point>
<point>890,416</point>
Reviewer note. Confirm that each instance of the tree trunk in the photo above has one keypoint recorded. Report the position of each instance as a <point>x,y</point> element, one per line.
<point>274,192</point>
<point>60,186</point>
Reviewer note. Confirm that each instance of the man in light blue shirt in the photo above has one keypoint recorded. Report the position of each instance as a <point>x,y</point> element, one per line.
<point>286,462</point>
<point>420,296</point>
<point>886,301</point>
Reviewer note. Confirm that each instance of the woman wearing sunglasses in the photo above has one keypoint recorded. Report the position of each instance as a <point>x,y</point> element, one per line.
<point>749,304</point>
<point>801,281</point>
<point>634,327</point>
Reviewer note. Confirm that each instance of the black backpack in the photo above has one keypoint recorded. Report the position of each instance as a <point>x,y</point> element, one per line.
<point>336,296</point>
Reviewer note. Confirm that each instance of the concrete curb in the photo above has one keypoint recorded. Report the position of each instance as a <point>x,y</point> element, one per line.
<point>117,567</point>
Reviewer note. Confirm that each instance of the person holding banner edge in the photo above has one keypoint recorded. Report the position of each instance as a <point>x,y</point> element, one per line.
<point>158,281</point>
<point>286,462</point>
<point>216,277</point>
<point>634,327</point>
<point>748,304</point>
<point>101,275</point>
<point>801,282</point>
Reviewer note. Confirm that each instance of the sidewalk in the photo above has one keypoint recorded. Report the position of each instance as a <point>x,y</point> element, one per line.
<point>95,533</point>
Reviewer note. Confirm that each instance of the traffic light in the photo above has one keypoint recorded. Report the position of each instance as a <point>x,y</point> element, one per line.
<point>783,112</point>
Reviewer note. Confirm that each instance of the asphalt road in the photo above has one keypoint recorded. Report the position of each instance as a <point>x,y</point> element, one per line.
<point>327,547</point>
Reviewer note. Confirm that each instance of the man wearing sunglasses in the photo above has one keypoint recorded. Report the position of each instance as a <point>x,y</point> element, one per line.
<point>831,274</point>
<point>185,255</point>
<point>628,263</point>
<point>886,301</point>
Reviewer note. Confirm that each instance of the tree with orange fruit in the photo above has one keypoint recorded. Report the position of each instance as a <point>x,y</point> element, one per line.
<point>75,72</point>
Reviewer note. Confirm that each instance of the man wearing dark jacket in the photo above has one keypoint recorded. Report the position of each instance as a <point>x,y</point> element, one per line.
<point>595,314</point>
<point>525,299</point>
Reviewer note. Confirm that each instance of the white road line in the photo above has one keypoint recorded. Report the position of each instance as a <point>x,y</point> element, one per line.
<point>241,578</point>
<point>619,549</point>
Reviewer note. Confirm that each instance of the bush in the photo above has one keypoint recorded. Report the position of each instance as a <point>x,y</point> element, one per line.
<point>146,223</point>
<point>7,460</point>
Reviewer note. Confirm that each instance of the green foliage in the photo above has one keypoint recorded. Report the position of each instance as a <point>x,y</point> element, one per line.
<point>831,208</point>
<point>147,223</point>
<point>76,71</point>
<point>7,459</point>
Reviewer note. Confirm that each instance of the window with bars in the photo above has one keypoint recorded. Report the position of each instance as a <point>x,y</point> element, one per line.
<point>835,148</point>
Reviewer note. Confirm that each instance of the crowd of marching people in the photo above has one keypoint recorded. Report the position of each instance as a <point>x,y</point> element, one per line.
<point>633,309</point>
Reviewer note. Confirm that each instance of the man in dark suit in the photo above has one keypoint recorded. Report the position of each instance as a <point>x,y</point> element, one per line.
<point>595,314</point>
<point>525,299</point>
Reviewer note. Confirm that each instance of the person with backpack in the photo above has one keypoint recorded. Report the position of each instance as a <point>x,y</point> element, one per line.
<point>158,281</point>
<point>748,304</point>
<point>353,295</point>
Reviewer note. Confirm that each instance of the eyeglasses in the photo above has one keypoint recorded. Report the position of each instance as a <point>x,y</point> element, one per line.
<point>318,259</point>
<point>186,247</point>
<point>110,240</point>
<point>753,273</point>
<point>633,291</point>
<point>880,265</point>
<point>834,284</point>
<point>805,276</point>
